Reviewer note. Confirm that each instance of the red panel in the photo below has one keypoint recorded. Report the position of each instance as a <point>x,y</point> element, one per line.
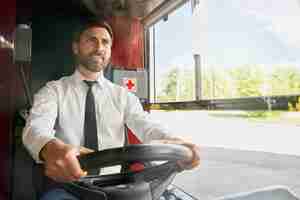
<point>6,117</point>
<point>7,17</point>
<point>132,139</point>
<point>7,25</point>
<point>128,48</point>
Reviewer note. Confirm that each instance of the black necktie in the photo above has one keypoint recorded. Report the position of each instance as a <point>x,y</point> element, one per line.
<point>90,123</point>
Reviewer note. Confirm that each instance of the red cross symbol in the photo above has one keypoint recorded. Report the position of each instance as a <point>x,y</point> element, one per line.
<point>130,84</point>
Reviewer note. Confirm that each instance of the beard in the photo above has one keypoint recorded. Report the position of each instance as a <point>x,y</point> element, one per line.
<point>93,62</point>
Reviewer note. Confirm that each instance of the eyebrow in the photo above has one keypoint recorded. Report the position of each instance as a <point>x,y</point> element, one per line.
<point>91,34</point>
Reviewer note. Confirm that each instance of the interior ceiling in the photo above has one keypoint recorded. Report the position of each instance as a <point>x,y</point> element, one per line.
<point>133,8</point>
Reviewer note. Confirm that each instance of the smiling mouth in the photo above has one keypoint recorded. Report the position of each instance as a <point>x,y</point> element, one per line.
<point>97,57</point>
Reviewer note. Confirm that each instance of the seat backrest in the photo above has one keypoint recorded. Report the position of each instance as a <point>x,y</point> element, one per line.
<point>22,175</point>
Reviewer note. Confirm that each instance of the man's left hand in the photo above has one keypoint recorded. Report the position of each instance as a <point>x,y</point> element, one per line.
<point>195,157</point>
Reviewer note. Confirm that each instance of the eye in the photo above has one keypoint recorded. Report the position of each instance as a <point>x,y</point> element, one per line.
<point>106,42</point>
<point>92,40</point>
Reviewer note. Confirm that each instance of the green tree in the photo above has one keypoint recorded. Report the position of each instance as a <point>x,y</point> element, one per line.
<point>285,80</point>
<point>177,85</point>
<point>221,84</point>
<point>168,86</point>
<point>248,80</point>
<point>240,81</point>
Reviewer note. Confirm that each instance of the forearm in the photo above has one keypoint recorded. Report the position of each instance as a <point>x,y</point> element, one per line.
<point>34,142</point>
<point>48,147</point>
<point>39,129</point>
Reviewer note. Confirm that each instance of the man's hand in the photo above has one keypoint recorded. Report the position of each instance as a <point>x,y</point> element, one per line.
<point>195,157</point>
<point>61,163</point>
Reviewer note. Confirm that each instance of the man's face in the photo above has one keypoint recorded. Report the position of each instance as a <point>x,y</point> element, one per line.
<point>93,50</point>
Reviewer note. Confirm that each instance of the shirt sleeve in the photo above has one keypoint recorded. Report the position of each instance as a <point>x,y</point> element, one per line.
<point>144,126</point>
<point>39,128</point>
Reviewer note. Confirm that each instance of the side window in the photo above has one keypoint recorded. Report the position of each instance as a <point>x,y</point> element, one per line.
<point>171,59</point>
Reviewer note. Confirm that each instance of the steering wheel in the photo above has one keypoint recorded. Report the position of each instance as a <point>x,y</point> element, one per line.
<point>147,184</point>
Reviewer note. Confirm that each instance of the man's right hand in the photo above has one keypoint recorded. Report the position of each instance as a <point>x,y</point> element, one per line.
<point>61,163</point>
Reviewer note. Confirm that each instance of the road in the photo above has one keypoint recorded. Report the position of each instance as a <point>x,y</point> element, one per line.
<point>237,155</point>
<point>233,133</point>
<point>225,171</point>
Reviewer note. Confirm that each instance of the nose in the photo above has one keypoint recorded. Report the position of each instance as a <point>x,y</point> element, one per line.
<point>99,46</point>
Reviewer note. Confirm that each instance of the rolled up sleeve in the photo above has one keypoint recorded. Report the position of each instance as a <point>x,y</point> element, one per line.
<point>39,128</point>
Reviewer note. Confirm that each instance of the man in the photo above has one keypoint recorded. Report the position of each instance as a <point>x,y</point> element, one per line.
<point>62,104</point>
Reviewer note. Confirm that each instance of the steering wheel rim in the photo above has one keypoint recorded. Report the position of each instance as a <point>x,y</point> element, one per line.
<point>159,176</point>
<point>134,153</point>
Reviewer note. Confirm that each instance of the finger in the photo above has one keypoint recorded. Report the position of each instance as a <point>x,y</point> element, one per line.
<point>55,175</point>
<point>84,150</point>
<point>192,159</point>
<point>196,152</point>
<point>188,165</point>
<point>195,159</point>
<point>191,154</point>
<point>173,141</point>
<point>73,166</point>
<point>58,172</point>
<point>195,162</point>
<point>69,167</point>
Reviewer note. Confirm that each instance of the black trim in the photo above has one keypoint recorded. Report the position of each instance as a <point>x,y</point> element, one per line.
<point>249,103</point>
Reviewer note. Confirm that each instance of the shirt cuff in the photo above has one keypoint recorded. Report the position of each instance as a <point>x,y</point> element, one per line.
<point>37,145</point>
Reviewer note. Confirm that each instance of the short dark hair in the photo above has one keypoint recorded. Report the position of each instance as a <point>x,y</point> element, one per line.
<point>89,24</point>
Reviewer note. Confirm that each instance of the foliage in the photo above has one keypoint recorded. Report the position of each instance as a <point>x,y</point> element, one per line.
<point>169,86</point>
<point>285,80</point>
<point>248,80</point>
<point>233,82</point>
<point>177,86</point>
<point>296,107</point>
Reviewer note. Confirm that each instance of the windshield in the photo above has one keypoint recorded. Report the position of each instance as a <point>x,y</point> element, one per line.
<point>248,50</point>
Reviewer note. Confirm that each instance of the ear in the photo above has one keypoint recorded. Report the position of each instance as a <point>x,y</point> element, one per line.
<point>75,48</point>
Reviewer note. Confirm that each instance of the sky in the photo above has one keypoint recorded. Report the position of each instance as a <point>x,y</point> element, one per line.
<point>230,33</point>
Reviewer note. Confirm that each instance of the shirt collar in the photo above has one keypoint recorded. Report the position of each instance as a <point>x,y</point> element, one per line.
<point>78,78</point>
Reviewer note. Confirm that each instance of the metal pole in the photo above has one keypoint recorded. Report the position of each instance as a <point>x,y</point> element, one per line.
<point>154,66</point>
<point>195,3</point>
<point>198,75</point>
<point>26,86</point>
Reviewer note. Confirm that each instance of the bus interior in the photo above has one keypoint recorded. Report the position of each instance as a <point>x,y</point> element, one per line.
<point>225,74</point>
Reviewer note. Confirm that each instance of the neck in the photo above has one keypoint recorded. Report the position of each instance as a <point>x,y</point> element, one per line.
<point>88,75</point>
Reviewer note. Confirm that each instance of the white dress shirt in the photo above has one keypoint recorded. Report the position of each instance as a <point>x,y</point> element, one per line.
<point>58,112</point>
